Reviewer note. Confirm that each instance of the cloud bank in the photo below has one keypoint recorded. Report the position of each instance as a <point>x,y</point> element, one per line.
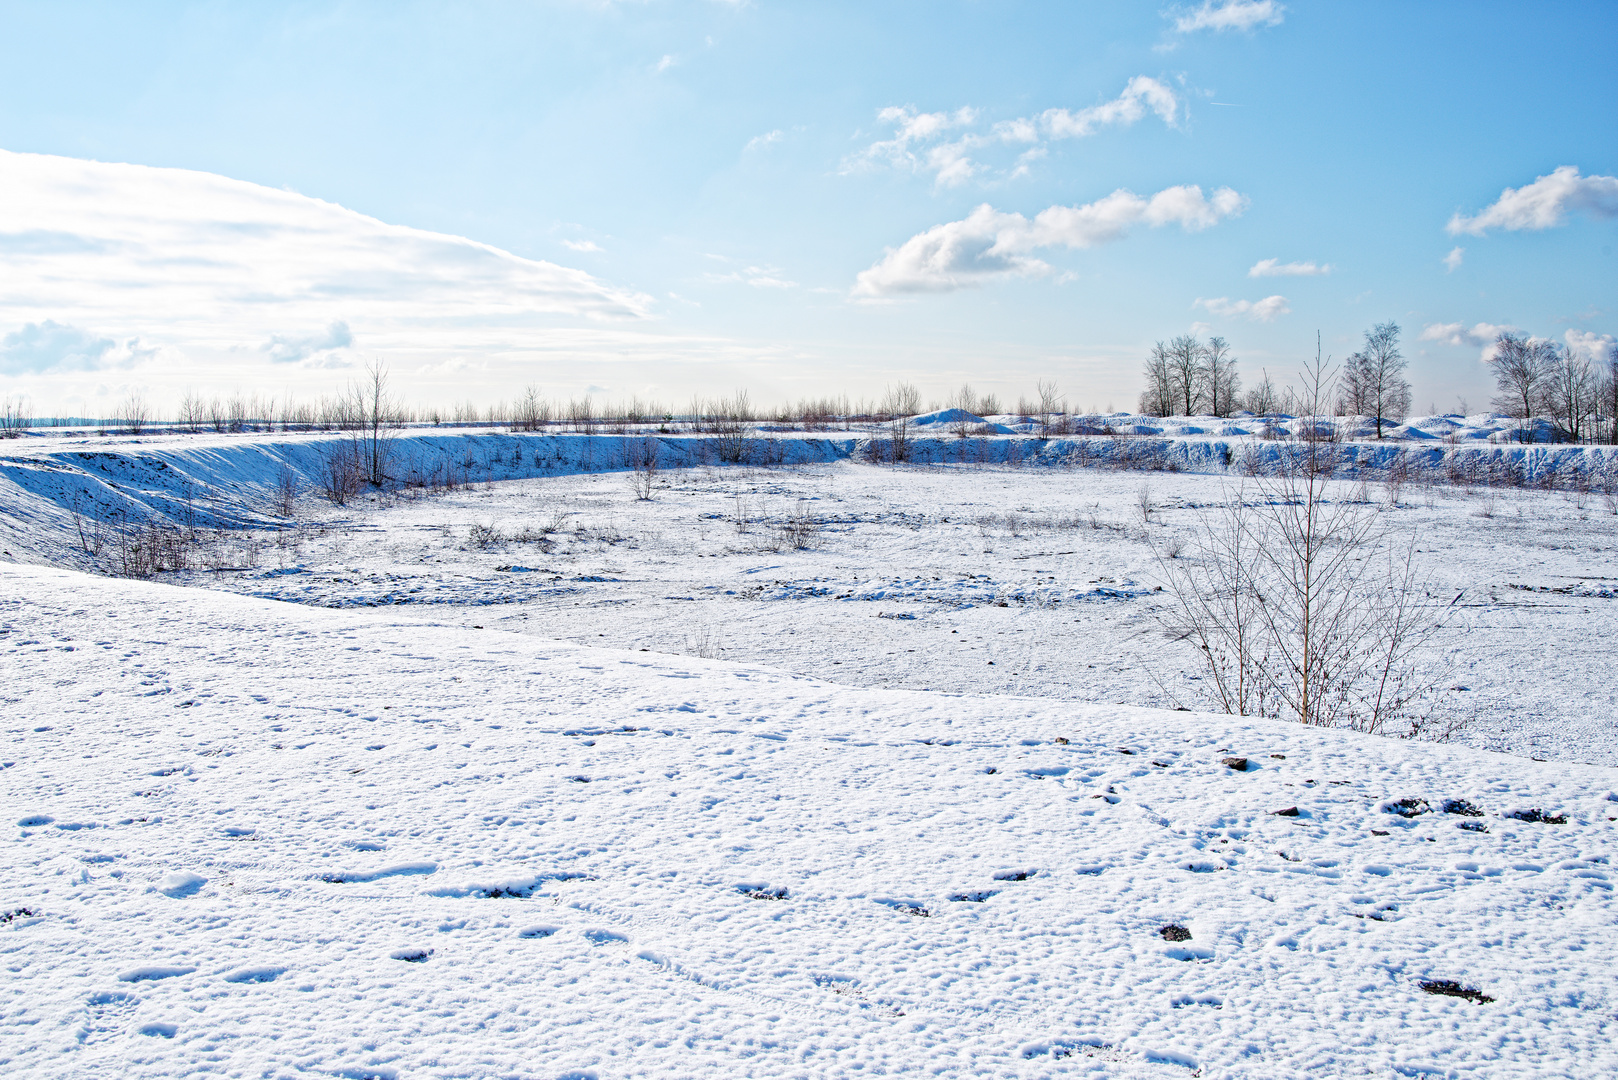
<point>1544,204</point>
<point>989,244</point>
<point>173,257</point>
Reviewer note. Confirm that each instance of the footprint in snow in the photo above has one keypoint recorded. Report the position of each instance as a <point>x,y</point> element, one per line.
<point>254,974</point>
<point>760,891</point>
<point>180,884</point>
<point>537,931</point>
<point>907,907</point>
<point>605,937</point>
<point>411,956</point>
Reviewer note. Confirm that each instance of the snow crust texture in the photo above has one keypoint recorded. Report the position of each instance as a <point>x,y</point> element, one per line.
<point>256,839</point>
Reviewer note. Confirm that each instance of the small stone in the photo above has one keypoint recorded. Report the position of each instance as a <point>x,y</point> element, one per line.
<point>1237,763</point>
<point>1291,811</point>
<point>1175,932</point>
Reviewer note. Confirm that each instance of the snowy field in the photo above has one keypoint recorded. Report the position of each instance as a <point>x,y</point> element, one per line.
<point>821,769</point>
<point>260,839</point>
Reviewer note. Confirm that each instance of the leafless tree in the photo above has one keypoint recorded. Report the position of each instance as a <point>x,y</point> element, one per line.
<point>377,419</point>
<point>1219,376</point>
<point>14,418</point>
<point>1050,403</point>
<point>1373,382</point>
<point>136,413</point>
<point>1261,398</point>
<point>1520,366</point>
<point>1305,607</point>
<point>192,412</point>
<point>1570,391</point>
<point>642,454</point>
<point>1158,397</point>
<point>1607,396</point>
<point>1185,360</point>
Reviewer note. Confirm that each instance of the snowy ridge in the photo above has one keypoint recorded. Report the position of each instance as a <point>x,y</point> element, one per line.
<point>259,839</point>
<point>230,481</point>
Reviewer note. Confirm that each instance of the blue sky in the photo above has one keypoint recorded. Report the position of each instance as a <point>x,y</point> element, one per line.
<point>667,198</point>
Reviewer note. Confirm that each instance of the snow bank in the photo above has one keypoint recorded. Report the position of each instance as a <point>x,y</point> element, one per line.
<point>427,851</point>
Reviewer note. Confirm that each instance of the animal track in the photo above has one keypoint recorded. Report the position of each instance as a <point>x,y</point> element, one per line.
<point>972,897</point>
<point>411,956</point>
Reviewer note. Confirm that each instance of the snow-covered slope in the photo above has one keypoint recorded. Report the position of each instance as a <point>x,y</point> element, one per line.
<point>256,839</point>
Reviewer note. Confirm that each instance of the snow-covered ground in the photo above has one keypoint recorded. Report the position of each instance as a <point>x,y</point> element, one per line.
<point>260,839</point>
<point>620,787</point>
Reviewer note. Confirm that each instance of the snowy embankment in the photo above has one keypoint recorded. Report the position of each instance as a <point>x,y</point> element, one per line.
<point>230,481</point>
<point>257,839</point>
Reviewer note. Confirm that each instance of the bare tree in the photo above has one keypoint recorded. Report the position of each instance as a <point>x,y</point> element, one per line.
<point>1373,382</point>
<point>1519,366</point>
<point>642,454</point>
<point>136,413</point>
<point>376,417</point>
<point>1219,376</point>
<point>1303,606</point>
<point>1050,403</point>
<point>192,412</point>
<point>1570,391</point>
<point>901,399</point>
<point>1185,360</point>
<point>1261,399</point>
<point>14,418</point>
<point>1607,396</point>
<point>1158,397</point>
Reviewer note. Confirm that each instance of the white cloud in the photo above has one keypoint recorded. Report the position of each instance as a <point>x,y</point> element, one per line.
<point>1460,334</point>
<point>1266,310</point>
<point>988,243</point>
<point>1277,268</point>
<point>1454,259</point>
<point>49,346</point>
<point>584,246</point>
<point>1544,204</point>
<point>190,260</point>
<point>936,143</point>
<point>1229,15</point>
<point>1596,347</point>
<point>288,349</point>
<point>664,64</point>
<point>759,142</point>
<point>1143,94</point>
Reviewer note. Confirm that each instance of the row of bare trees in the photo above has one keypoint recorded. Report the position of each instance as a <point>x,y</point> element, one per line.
<point>1535,377</point>
<point>1189,376</point>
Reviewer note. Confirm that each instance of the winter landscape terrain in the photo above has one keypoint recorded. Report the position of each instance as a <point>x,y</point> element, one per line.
<point>811,764</point>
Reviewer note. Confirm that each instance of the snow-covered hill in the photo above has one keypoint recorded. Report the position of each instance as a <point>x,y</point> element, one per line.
<point>258,839</point>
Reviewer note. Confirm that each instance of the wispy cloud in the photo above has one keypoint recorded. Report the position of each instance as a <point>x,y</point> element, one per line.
<point>582,246</point>
<point>1454,259</point>
<point>1228,15</point>
<point>945,144</point>
<point>180,258</point>
<point>989,244</point>
<point>1544,204</point>
<point>666,61</point>
<point>1143,94</point>
<point>1266,310</point>
<point>1277,268</point>
<point>759,277</point>
<point>759,142</point>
